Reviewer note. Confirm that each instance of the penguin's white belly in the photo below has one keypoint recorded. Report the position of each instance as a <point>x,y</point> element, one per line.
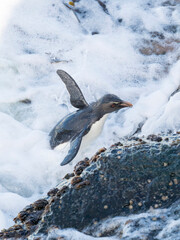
<point>93,133</point>
<point>61,146</point>
<point>95,130</point>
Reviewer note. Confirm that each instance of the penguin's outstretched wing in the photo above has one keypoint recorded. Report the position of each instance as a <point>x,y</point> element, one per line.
<point>74,148</point>
<point>76,97</point>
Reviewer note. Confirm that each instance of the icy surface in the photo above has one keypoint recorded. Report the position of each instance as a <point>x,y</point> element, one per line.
<point>99,47</point>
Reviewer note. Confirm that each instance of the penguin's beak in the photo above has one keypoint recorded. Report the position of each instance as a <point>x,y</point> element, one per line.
<point>125,104</point>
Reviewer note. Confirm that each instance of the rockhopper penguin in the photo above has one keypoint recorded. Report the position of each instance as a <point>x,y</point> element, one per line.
<point>87,121</point>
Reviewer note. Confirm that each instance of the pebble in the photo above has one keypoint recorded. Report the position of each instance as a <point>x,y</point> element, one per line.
<point>82,184</point>
<point>154,138</point>
<point>69,175</point>
<point>80,166</point>
<point>52,192</point>
<point>76,180</point>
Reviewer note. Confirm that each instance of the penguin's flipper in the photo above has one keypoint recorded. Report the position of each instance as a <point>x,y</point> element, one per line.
<point>74,147</point>
<point>76,97</point>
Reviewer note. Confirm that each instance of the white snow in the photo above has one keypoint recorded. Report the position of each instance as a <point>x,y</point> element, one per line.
<point>37,37</point>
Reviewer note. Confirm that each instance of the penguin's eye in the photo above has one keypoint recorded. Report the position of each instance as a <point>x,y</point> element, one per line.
<point>114,105</point>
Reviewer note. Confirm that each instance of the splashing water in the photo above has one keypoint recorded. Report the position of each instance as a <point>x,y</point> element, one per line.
<point>128,48</point>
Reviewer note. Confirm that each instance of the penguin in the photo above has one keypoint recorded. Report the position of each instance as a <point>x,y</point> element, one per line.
<point>88,120</point>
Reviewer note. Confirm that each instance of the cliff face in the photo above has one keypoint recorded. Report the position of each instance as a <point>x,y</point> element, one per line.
<point>125,179</point>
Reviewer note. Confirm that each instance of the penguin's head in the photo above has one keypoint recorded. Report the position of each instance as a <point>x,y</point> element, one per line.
<point>111,103</point>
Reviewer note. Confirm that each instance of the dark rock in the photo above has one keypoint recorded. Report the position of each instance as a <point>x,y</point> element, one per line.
<point>40,204</point>
<point>26,101</point>
<point>14,232</point>
<point>9,234</point>
<point>171,28</point>
<point>135,138</point>
<point>80,166</point>
<point>117,144</point>
<point>168,3</point>
<point>123,180</point>
<point>155,138</point>
<point>96,156</point>
<point>120,20</point>
<point>101,150</point>
<point>29,208</point>
<point>62,191</point>
<point>69,175</point>
<point>16,227</point>
<point>33,219</point>
<point>95,33</point>
<point>76,180</point>
<point>157,35</point>
<point>103,6</point>
<point>82,184</point>
<point>22,216</point>
<point>52,192</point>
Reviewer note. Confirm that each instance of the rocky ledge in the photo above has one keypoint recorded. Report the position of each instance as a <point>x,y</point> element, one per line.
<point>127,178</point>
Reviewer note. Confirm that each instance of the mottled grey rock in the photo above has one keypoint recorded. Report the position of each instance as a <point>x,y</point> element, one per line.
<point>120,181</point>
<point>124,180</point>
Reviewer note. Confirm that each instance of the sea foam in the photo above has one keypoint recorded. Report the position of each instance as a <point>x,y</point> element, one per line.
<point>100,48</point>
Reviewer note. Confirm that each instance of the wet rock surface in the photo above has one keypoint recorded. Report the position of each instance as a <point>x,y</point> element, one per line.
<point>128,178</point>
<point>155,47</point>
